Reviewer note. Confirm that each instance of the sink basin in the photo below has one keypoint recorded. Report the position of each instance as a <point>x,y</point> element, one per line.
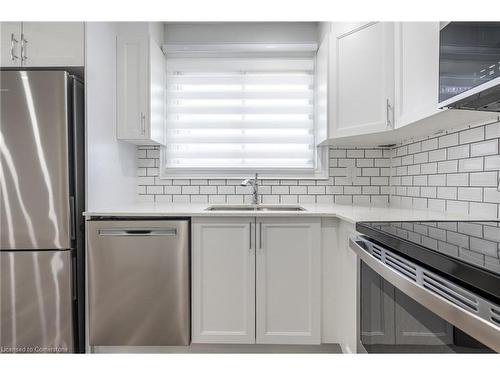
<point>250,207</point>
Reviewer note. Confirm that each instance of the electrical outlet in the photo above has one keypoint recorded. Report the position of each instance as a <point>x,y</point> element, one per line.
<point>352,173</point>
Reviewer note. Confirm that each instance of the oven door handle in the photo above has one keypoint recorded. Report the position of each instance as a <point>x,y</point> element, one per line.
<point>477,327</point>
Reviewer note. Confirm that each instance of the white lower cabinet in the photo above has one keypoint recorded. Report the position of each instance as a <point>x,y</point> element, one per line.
<point>223,280</point>
<point>288,279</point>
<point>256,280</point>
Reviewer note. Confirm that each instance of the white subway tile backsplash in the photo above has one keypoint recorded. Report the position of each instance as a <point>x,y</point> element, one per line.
<point>444,192</point>
<point>457,172</point>
<point>374,153</point>
<point>428,168</point>
<point>422,157</point>
<point>458,152</point>
<point>436,180</point>
<point>355,153</point>
<point>484,148</point>
<point>484,179</point>
<point>289,199</point>
<point>226,189</point>
<point>483,209</point>
<point>493,130</point>
<point>457,179</point>
<point>437,155</point>
<point>172,190</point>
<point>281,190</point>
<point>472,135</point>
<point>448,140</point>
<point>492,162</point>
<point>491,195</point>
<point>430,144</point>
<point>471,164</point>
<point>449,166</point>
<point>420,180</point>
<point>414,148</point>
<point>190,189</point>
<point>199,199</point>
<point>470,194</point>
<point>152,189</point>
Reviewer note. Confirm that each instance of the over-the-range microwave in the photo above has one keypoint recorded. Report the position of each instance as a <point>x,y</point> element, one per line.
<point>469,66</point>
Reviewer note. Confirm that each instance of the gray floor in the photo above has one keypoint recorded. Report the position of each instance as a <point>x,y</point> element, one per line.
<point>223,348</point>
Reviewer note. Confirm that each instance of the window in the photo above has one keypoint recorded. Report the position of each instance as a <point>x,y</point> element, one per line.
<point>231,116</point>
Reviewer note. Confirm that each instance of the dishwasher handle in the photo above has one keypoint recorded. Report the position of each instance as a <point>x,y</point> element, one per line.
<point>137,232</point>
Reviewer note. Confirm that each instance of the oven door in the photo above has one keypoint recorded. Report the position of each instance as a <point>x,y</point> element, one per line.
<point>404,308</point>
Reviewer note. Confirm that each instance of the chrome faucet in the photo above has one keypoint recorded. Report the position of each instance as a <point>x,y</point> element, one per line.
<point>255,185</point>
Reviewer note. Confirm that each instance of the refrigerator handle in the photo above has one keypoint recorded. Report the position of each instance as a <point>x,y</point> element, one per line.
<point>73,277</point>
<point>72,215</point>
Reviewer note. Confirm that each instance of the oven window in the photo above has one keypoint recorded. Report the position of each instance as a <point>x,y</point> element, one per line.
<point>392,322</point>
<point>469,55</point>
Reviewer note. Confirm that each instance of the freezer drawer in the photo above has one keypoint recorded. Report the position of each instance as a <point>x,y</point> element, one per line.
<point>138,280</point>
<point>36,302</point>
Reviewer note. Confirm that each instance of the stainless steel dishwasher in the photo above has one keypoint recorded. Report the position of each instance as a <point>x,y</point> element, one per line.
<point>138,282</point>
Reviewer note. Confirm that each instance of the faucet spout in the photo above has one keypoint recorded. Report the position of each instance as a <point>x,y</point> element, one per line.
<point>255,187</point>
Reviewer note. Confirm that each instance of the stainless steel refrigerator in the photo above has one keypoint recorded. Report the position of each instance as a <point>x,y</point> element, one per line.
<point>41,200</point>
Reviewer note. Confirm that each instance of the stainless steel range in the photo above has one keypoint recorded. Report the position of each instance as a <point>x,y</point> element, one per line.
<point>427,287</point>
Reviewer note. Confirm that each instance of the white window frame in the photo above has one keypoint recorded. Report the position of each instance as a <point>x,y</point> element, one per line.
<point>321,169</point>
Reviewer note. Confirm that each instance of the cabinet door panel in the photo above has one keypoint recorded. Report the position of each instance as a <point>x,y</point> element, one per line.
<point>132,87</point>
<point>363,79</point>
<point>223,274</point>
<point>53,44</point>
<point>288,281</point>
<point>10,33</point>
<point>416,71</point>
<point>157,94</point>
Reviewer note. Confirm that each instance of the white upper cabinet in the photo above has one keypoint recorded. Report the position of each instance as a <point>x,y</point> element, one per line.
<point>288,279</point>
<point>10,33</point>
<point>322,84</point>
<point>141,79</point>
<point>362,77</point>
<point>416,71</point>
<point>42,44</point>
<point>52,44</point>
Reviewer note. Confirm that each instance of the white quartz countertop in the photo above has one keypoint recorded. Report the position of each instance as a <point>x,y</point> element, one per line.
<point>351,214</point>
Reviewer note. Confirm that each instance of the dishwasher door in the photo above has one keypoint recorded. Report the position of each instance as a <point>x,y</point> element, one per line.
<point>138,282</point>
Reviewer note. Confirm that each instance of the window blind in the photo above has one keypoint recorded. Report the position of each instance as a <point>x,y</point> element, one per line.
<point>234,114</point>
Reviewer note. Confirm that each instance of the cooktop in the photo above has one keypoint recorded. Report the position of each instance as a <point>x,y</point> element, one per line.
<point>468,251</point>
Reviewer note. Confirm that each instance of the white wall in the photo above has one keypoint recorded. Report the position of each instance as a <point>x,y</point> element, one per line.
<point>111,164</point>
<point>153,29</point>
<point>241,32</point>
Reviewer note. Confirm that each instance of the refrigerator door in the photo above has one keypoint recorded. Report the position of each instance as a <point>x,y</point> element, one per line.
<point>36,302</point>
<point>34,188</point>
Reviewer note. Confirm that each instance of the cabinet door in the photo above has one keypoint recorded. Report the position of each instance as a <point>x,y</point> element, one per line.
<point>132,85</point>
<point>288,279</point>
<point>157,93</point>
<point>363,78</point>
<point>416,71</point>
<point>53,44</point>
<point>322,74</point>
<point>223,278</point>
<point>10,34</point>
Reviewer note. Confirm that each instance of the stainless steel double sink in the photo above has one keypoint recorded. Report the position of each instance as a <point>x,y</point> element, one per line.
<point>252,207</point>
